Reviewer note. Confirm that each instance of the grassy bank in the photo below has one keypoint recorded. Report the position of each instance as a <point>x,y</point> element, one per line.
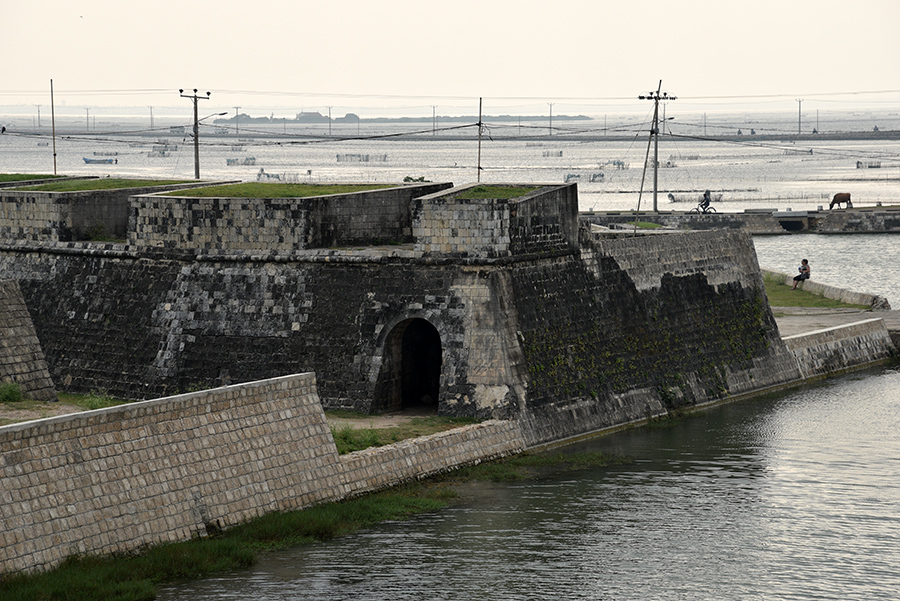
<point>348,438</point>
<point>781,295</point>
<point>136,577</point>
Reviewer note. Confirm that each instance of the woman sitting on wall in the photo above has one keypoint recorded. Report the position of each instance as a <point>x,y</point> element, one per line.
<point>803,275</point>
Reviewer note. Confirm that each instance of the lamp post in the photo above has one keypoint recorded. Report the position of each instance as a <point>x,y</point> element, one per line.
<point>195,98</point>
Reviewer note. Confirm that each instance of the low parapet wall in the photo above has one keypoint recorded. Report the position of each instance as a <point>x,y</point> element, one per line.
<point>117,479</point>
<point>832,350</point>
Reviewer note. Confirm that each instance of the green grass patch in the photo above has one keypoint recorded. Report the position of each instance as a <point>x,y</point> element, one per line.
<point>80,185</point>
<point>647,225</point>
<point>95,399</point>
<point>349,439</point>
<point>24,177</point>
<point>532,465</point>
<point>269,190</point>
<point>10,392</point>
<point>781,295</point>
<point>495,192</point>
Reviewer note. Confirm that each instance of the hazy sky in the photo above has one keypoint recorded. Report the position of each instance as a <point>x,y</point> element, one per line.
<point>365,56</point>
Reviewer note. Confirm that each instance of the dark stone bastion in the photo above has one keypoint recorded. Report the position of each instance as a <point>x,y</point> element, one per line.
<point>518,314</point>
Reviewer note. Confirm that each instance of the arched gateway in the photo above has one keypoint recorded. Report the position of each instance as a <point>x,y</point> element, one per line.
<point>410,372</point>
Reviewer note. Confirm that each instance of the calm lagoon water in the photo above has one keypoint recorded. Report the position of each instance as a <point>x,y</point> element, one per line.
<point>794,497</point>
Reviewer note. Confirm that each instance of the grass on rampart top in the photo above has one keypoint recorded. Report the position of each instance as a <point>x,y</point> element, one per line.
<point>270,190</point>
<point>489,192</point>
<point>109,183</point>
<point>781,295</point>
<point>135,577</point>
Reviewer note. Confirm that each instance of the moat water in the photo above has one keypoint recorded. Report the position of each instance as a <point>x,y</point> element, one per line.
<point>788,497</point>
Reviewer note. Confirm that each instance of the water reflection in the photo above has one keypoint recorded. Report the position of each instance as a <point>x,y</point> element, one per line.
<point>794,497</point>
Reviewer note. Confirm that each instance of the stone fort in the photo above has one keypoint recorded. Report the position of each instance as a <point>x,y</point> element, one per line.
<point>239,319</point>
<point>460,299</point>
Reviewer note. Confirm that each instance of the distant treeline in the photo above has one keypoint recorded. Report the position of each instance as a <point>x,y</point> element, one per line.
<point>315,117</point>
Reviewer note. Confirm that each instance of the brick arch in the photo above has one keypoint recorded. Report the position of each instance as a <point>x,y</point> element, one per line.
<point>410,373</point>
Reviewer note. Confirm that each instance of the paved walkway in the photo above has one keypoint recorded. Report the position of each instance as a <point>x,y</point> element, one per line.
<point>800,320</point>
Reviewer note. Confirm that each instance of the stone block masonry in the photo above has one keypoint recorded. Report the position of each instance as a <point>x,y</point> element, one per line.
<point>115,480</point>
<point>834,350</point>
<point>39,216</point>
<point>378,216</point>
<point>21,358</point>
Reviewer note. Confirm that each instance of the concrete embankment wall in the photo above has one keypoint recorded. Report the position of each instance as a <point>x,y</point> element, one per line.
<point>851,297</point>
<point>833,350</point>
<point>765,221</point>
<point>117,479</point>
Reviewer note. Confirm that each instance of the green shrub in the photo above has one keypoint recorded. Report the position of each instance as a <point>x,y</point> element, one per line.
<point>10,392</point>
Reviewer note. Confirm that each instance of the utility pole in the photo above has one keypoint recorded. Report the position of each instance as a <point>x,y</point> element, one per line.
<point>88,118</point>
<point>195,98</point>
<point>236,109</point>
<point>151,117</point>
<point>53,124</point>
<point>329,121</point>
<point>433,120</point>
<point>654,133</point>
<point>551,117</point>
<point>39,114</point>
<point>799,104</point>
<point>480,127</point>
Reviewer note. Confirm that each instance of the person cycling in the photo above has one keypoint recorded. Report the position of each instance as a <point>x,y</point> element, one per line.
<point>704,202</point>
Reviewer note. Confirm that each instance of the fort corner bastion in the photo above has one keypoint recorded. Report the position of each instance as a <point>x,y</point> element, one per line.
<point>479,300</point>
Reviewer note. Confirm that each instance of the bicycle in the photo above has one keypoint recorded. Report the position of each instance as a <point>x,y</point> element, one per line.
<point>700,209</point>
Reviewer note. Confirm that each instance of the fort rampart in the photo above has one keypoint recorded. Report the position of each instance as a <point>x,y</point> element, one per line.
<point>40,216</point>
<point>21,358</point>
<point>378,216</point>
<point>540,327</point>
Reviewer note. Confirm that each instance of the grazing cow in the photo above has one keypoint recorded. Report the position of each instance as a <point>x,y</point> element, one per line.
<point>839,199</point>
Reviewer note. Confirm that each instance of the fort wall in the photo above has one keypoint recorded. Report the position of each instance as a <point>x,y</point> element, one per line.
<point>39,216</point>
<point>379,216</point>
<point>541,220</point>
<point>118,479</point>
<point>21,358</point>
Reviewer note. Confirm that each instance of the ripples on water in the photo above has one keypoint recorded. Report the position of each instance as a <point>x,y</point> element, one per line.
<point>788,498</point>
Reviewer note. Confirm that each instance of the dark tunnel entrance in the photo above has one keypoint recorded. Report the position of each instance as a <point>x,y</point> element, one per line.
<point>421,371</point>
<point>411,368</point>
